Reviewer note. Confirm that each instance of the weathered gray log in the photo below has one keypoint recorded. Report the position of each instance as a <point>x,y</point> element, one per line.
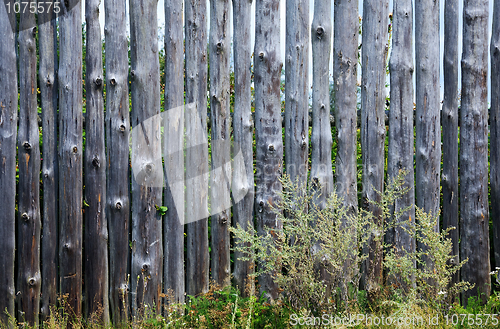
<point>321,135</point>
<point>400,151</point>
<point>268,137</point>
<point>29,278</point>
<point>96,226</point>
<point>197,267</point>
<point>449,121</point>
<point>428,128</point>
<point>220,176</point>
<point>373,67</point>
<point>8,134</point>
<point>117,141</point>
<point>495,131</point>
<point>474,216</point>
<point>345,62</point>
<point>297,90</point>
<point>47,40</point>
<point>243,124</point>
<point>147,248</point>
<point>70,155</point>
<point>173,225</point>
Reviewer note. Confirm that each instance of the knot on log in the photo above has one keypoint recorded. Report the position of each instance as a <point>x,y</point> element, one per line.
<point>75,149</point>
<point>98,81</point>
<point>271,148</point>
<point>25,217</point>
<point>27,146</point>
<point>112,81</point>
<point>261,55</point>
<point>132,73</point>
<point>122,128</point>
<point>320,31</point>
<point>33,31</point>
<point>219,47</point>
<point>95,162</point>
<point>118,205</point>
<point>31,282</point>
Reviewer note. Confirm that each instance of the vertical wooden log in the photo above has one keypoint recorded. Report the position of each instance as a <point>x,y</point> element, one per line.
<point>449,121</point>
<point>173,225</point>
<point>400,152</point>
<point>243,179</point>
<point>428,127</point>
<point>220,177</point>
<point>28,224</point>
<point>297,90</point>
<point>117,142</point>
<point>47,40</point>
<point>474,220</point>
<point>495,130</point>
<point>345,62</point>
<point>321,136</point>
<point>96,226</point>
<point>147,250</point>
<point>373,59</point>
<point>197,267</point>
<point>8,134</point>
<point>268,138</point>
<point>70,155</point>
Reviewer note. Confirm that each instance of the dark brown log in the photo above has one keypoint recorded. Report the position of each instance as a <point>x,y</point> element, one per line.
<point>495,131</point>
<point>29,278</point>
<point>117,142</point>
<point>8,134</point>
<point>96,226</point>
<point>147,172</point>
<point>70,156</point>
<point>47,40</point>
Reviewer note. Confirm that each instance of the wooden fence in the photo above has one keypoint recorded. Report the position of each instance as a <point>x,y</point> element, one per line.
<point>88,229</point>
